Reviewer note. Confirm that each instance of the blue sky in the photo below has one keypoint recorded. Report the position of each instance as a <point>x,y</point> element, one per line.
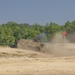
<point>37,11</point>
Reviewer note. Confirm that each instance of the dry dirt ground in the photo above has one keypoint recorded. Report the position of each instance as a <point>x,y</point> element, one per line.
<point>25,62</point>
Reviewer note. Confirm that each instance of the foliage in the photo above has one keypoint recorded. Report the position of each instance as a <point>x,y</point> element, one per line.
<point>11,32</point>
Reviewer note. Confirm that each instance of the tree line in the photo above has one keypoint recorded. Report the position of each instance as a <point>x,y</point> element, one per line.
<point>12,32</point>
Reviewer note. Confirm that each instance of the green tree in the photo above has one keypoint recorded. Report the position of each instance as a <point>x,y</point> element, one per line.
<point>52,28</point>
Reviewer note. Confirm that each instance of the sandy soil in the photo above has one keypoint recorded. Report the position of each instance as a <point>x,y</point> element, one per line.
<point>25,62</point>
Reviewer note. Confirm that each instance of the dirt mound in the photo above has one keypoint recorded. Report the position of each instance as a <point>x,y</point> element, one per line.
<point>30,45</point>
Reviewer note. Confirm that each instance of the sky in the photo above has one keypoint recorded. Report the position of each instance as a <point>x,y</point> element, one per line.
<point>37,11</point>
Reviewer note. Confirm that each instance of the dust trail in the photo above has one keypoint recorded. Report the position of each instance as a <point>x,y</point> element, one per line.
<point>60,46</point>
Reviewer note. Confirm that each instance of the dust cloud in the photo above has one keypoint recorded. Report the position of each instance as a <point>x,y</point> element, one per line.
<point>59,46</point>
<point>59,38</point>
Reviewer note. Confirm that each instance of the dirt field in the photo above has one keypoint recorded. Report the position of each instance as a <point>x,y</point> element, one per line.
<point>25,62</point>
